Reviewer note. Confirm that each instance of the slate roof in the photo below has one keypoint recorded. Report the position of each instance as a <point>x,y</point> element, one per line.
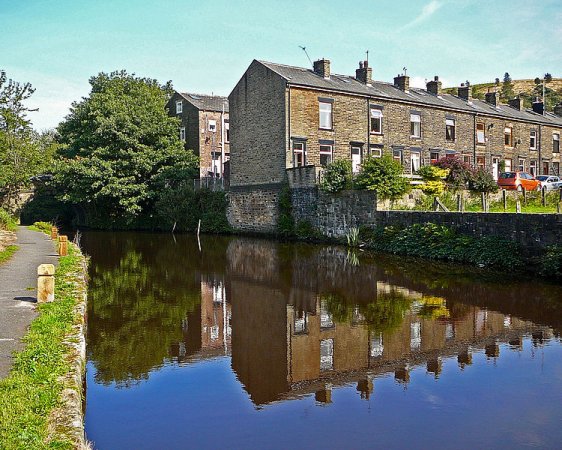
<point>206,102</point>
<point>300,76</point>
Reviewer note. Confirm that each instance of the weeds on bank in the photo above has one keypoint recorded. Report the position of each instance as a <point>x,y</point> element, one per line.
<point>33,388</point>
<point>7,222</point>
<point>7,253</point>
<point>43,227</point>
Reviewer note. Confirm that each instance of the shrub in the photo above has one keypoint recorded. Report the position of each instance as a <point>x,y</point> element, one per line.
<point>483,181</point>
<point>286,223</point>
<point>383,175</point>
<point>7,222</point>
<point>551,263</point>
<point>337,176</point>
<point>433,187</point>
<point>460,173</point>
<point>431,173</point>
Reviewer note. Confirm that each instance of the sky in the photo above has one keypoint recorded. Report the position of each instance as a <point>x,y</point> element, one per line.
<point>204,46</point>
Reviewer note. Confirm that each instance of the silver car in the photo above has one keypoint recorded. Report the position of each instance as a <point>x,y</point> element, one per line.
<point>549,182</point>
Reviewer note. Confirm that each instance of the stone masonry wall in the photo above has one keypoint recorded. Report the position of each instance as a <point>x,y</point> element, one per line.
<point>532,231</point>
<point>254,209</point>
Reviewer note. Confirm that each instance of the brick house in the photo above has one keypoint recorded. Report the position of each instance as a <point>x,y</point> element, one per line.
<point>204,128</point>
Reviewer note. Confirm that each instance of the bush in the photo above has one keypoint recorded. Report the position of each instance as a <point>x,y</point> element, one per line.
<point>286,223</point>
<point>337,176</point>
<point>483,181</point>
<point>383,175</point>
<point>7,222</point>
<point>551,263</point>
<point>459,173</point>
<point>433,187</point>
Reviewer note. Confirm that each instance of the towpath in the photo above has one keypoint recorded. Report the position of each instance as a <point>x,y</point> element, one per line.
<point>18,291</point>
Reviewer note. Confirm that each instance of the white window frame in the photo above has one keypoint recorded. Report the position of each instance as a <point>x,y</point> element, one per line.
<point>326,150</point>
<point>508,164</point>
<point>415,118</point>
<point>212,126</point>
<point>301,150</point>
<point>326,354</point>
<point>533,140</point>
<point>398,155</point>
<point>481,134</point>
<point>226,132</point>
<point>376,115</point>
<point>179,107</point>
<point>451,123</point>
<point>412,166</point>
<point>355,168</point>
<point>521,166</point>
<point>555,142</point>
<point>533,167</point>
<point>375,152</point>
<point>432,153</point>
<point>325,113</point>
<point>508,131</point>
<point>182,134</point>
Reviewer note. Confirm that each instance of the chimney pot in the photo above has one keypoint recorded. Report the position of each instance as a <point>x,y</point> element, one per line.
<point>322,67</point>
<point>434,87</point>
<point>364,74</point>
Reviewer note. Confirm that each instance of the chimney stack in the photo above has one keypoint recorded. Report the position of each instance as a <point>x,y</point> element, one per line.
<point>558,109</point>
<point>516,103</point>
<point>492,98</point>
<point>402,82</point>
<point>465,91</point>
<point>434,87</point>
<point>538,106</point>
<point>322,67</point>
<point>364,74</point>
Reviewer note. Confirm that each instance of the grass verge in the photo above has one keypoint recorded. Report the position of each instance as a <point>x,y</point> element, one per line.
<point>35,391</point>
<point>7,253</point>
<point>43,227</point>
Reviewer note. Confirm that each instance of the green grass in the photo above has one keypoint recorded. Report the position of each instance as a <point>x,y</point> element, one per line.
<point>43,227</point>
<point>7,253</point>
<point>7,222</point>
<point>33,389</point>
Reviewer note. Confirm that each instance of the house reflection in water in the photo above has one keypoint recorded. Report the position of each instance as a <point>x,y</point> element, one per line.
<point>303,321</point>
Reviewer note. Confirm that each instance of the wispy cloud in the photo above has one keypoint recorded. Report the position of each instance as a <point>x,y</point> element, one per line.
<point>427,11</point>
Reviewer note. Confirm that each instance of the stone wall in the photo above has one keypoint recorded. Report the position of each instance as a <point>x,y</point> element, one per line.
<point>254,209</point>
<point>532,231</point>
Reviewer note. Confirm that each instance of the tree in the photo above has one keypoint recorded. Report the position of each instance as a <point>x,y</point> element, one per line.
<point>459,172</point>
<point>120,148</point>
<point>547,77</point>
<point>23,153</point>
<point>383,175</point>
<point>507,92</point>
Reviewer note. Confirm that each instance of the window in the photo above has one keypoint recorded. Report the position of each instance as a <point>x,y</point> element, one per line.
<point>450,129</point>
<point>508,137</point>
<point>355,158</point>
<point>397,155</point>
<point>545,167</point>
<point>556,143</point>
<point>326,354</point>
<point>556,168</point>
<point>299,158</point>
<point>533,167</point>
<point>480,133</point>
<point>481,162</point>
<point>325,316</point>
<point>433,157</point>
<point>325,155</point>
<point>325,115</point>
<point>182,134</point>
<point>375,151</point>
<point>216,163</point>
<point>507,163</point>
<point>415,336</point>
<point>467,159</point>
<point>212,126</point>
<point>415,161</point>
<point>521,166</point>
<point>376,121</point>
<point>377,346</point>
<point>179,107</point>
<point>301,322</point>
<point>415,125</point>
<point>533,140</point>
<point>226,132</point>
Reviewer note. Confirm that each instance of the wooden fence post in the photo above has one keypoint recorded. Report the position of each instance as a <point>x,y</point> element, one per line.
<point>459,202</point>
<point>504,194</point>
<point>543,195</point>
<point>63,245</point>
<point>45,283</point>
<point>518,207</point>
<point>525,196</point>
<point>483,195</point>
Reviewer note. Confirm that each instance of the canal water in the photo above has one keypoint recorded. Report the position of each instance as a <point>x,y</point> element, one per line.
<point>242,343</point>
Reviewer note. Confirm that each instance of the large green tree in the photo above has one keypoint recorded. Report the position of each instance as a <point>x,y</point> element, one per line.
<point>23,153</point>
<point>120,148</point>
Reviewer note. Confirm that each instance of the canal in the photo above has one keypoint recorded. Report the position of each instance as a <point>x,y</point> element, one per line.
<point>246,343</point>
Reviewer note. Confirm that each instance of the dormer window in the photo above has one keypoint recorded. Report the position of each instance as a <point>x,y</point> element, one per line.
<point>179,107</point>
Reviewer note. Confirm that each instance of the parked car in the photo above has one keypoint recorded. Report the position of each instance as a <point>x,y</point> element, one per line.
<point>518,181</point>
<point>549,182</point>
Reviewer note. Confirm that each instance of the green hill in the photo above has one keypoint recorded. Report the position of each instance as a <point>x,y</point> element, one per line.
<point>527,89</point>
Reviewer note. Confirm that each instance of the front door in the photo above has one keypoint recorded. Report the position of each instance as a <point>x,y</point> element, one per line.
<point>355,159</point>
<point>495,167</point>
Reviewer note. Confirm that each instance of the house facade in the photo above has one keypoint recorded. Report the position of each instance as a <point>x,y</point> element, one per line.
<point>284,117</point>
<point>205,129</point>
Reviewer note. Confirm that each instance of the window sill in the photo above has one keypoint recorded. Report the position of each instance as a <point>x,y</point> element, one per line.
<point>417,138</point>
<point>373,133</point>
<point>325,129</point>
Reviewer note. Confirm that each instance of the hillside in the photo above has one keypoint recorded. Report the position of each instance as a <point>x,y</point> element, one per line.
<point>526,88</point>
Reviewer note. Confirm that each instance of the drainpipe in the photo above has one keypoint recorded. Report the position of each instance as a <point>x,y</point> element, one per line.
<point>474,141</point>
<point>539,169</point>
<point>368,126</point>
<point>222,141</point>
<point>288,127</point>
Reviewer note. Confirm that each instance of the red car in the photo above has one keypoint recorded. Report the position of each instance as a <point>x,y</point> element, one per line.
<point>518,181</point>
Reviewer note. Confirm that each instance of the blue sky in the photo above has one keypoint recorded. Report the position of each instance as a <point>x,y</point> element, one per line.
<point>205,46</point>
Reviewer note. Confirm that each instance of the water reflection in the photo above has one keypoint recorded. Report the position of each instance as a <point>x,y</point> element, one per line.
<point>295,319</point>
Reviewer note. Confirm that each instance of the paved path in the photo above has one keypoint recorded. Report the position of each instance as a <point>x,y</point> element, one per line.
<point>17,302</point>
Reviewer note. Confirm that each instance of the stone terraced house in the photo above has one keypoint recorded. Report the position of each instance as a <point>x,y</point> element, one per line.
<point>285,117</point>
<point>204,128</point>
